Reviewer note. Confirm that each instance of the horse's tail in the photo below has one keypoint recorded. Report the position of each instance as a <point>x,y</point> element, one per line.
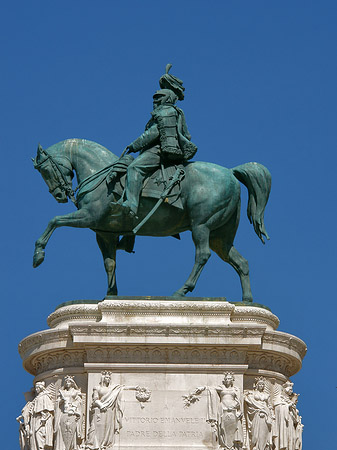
<point>257,180</point>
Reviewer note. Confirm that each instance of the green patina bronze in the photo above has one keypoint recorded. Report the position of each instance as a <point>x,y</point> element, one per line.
<point>208,202</point>
<point>165,140</point>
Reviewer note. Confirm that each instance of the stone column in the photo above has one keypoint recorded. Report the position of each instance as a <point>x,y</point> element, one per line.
<point>153,373</point>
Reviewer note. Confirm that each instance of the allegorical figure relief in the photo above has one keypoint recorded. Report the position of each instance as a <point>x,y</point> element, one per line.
<point>299,427</point>
<point>272,421</point>
<point>224,412</point>
<point>68,416</point>
<point>287,418</point>
<point>259,416</point>
<point>24,425</point>
<point>40,418</point>
<point>105,413</point>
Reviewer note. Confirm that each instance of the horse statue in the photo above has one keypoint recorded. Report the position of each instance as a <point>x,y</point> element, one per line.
<point>210,196</point>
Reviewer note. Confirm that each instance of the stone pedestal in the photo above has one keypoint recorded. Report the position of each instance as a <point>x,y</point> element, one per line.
<point>166,361</point>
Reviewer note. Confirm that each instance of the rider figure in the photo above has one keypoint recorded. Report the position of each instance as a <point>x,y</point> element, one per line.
<point>166,139</point>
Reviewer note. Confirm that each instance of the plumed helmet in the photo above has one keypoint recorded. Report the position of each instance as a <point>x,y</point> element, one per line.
<point>168,81</point>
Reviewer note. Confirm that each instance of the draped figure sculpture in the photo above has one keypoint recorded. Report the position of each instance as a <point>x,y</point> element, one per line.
<point>259,416</point>
<point>286,418</point>
<point>298,423</point>
<point>24,425</point>
<point>224,412</point>
<point>41,419</point>
<point>105,413</point>
<point>68,416</point>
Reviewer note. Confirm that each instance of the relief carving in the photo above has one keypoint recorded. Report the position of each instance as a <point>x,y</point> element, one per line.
<point>168,354</point>
<point>287,430</point>
<point>24,422</point>
<point>164,354</point>
<point>56,422</point>
<point>59,359</point>
<point>299,429</point>
<point>106,414</point>
<point>224,412</point>
<point>259,416</point>
<point>68,416</point>
<point>36,419</point>
<point>143,395</point>
<point>272,420</point>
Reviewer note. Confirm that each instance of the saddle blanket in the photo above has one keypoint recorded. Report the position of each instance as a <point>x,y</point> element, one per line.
<point>155,184</point>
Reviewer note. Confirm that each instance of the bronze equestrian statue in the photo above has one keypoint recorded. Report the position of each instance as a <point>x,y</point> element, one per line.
<point>207,199</point>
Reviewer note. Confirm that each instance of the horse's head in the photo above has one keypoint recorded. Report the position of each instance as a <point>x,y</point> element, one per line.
<point>56,172</point>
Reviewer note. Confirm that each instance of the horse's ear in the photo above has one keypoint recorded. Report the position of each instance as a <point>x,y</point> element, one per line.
<point>39,151</point>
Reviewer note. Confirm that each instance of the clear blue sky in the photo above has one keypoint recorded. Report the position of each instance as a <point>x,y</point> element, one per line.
<point>260,82</point>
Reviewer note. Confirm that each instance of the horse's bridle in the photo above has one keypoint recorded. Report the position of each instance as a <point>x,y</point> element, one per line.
<point>62,181</point>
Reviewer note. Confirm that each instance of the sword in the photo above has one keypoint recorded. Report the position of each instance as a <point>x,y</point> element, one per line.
<point>178,176</point>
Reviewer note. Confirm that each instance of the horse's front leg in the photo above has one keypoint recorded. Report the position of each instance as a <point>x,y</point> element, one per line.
<point>78,219</point>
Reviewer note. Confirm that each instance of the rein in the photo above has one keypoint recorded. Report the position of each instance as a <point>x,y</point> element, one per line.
<point>105,171</point>
<point>89,179</point>
<point>66,187</point>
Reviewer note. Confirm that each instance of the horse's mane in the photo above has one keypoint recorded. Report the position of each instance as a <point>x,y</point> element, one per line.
<point>86,145</point>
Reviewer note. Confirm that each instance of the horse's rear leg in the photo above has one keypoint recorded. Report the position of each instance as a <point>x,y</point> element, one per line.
<point>200,235</point>
<point>107,243</point>
<point>240,264</point>
<point>228,253</point>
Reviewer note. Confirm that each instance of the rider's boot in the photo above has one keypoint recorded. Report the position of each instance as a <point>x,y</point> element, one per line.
<point>132,191</point>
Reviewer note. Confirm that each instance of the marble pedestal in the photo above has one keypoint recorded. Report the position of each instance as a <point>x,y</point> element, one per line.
<point>158,352</point>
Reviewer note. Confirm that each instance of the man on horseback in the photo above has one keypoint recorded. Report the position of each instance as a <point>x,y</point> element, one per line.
<point>165,141</point>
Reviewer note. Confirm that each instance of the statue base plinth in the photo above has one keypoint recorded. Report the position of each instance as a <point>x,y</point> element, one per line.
<point>160,350</point>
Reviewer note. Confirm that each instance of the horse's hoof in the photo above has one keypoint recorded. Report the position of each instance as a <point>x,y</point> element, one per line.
<point>38,258</point>
<point>178,294</point>
<point>112,293</point>
<point>247,300</point>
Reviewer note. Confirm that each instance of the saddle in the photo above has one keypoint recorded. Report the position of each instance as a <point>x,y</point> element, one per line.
<point>154,185</point>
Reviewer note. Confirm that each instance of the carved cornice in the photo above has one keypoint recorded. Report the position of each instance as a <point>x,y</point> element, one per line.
<point>56,360</point>
<point>276,363</point>
<point>253,314</point>
<point>286,340</point>
<point>73,313</point>
<point>169,354</point>
<point>165,307</point>
<point>43,338</point>
<point>107,309</point>
<point>148,330</point>
<point>162,331</point>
